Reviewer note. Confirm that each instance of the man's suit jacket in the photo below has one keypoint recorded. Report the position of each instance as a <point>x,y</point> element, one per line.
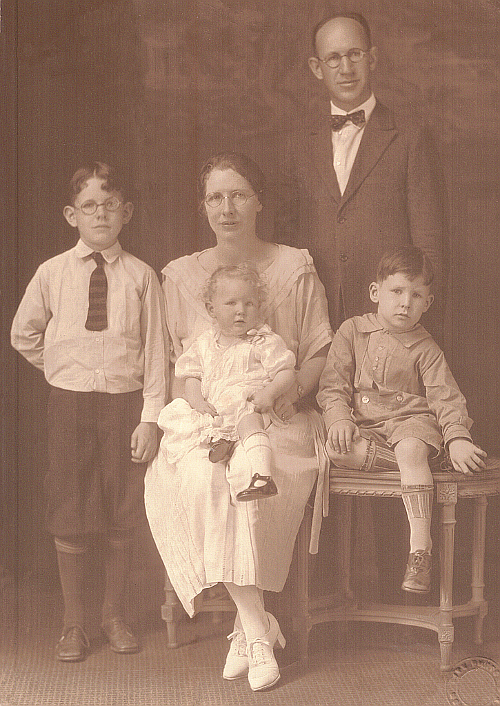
<point>395,195</point>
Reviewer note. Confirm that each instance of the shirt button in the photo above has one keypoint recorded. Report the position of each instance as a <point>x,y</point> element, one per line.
<point>338,163</point>
<point>376,357</point>
<point>341,219</point>
<point>97,370</point>
<point>365,399</point>
<point>381,348</point>
<point>343,257</point>
<point>399,398</point>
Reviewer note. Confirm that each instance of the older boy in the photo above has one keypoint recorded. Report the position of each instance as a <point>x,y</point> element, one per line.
<point>390,401</point>
<point>92,320</point>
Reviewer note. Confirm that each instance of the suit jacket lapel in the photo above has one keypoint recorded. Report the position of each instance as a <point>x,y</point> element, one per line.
<point>322,151</point>
<point>379,132</point>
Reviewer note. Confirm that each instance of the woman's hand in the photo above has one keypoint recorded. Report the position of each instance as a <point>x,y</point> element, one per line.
<point>465,456</point>
<point>284,405</point>
<point>262,399</point>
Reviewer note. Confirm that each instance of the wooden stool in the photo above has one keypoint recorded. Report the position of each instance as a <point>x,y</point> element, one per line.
<point>450,487</point>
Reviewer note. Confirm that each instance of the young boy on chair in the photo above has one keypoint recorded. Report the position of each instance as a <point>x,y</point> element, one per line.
<point>391,403</point>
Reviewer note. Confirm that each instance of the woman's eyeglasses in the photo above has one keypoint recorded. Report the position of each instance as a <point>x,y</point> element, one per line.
<point>238,198</point>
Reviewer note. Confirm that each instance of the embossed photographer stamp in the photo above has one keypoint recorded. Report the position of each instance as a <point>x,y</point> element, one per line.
<point>474,681</point>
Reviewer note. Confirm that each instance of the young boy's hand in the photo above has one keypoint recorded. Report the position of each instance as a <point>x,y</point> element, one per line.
<point>341,435</point>
<point>144,442</point>
<point>466,456</point>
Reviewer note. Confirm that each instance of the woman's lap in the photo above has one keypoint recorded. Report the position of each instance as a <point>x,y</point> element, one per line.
<point>204,539</point>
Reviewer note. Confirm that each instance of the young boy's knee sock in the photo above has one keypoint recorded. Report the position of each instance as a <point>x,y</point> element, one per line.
<point>116,572</point>
<point>260,456</point>
<point>417,500</point>
<point>71,563</point>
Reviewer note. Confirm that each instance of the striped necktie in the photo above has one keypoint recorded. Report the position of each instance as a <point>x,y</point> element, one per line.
<point>97,318</point>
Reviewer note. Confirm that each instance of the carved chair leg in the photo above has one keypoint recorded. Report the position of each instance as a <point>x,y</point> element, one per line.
<point>477,585</point>
<point>447,496</point>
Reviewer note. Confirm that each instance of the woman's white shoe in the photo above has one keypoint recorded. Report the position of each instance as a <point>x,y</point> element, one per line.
<point>263,669</point>
<point>237,659</point>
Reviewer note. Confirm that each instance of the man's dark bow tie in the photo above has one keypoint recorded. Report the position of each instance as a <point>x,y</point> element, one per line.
<point>338,121</point>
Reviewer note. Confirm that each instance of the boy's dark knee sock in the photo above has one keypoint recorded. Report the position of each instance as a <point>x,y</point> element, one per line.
<point>71,562</point>
<point>116,572</point>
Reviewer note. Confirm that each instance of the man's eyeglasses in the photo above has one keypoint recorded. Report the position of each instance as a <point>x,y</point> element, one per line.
<point>90,207</point>
<point>354,55</point>
<point>238,198</point>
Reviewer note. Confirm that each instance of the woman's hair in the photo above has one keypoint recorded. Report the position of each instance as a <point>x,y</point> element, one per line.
<point>113,180</point>
<point>407,259</point>
<point>239,163</point>
<point>242,271</point>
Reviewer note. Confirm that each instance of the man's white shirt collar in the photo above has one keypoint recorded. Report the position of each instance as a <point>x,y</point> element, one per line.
<point>367,106</point>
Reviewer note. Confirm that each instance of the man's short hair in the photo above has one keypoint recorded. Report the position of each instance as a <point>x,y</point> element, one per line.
<point>113,180</point>
<point>407,259</point>
<point>357,16</point>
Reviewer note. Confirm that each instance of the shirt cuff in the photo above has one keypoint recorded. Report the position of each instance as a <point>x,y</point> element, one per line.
<point>456,431</point>
<point>335,415</point>
<point>151,410</point>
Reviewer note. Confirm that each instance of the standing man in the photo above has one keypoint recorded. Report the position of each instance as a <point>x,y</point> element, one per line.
<point>357,179</point>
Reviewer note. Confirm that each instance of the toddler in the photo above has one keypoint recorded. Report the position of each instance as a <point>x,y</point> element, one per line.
<point>390,401</point>
<point>233,374</point>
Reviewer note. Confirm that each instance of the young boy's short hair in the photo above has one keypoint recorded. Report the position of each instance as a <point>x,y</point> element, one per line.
<point>407,259</point>
<point>113,180</point>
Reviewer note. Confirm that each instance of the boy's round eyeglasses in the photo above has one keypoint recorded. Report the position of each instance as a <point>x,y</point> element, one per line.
<point>354,55</point>
<point>238,198</point>
<point>90,207</point>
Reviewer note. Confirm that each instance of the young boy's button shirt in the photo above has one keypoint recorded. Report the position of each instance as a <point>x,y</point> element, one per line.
<point>130,354</point>
<point>373,374</point>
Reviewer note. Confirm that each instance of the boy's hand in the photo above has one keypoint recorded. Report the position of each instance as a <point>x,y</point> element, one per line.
<point>144,442</point>
<point>466,456</point>
<point>341,435</point>
<point>262,399</point>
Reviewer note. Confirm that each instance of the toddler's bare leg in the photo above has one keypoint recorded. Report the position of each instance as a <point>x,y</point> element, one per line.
<point>417,490</point>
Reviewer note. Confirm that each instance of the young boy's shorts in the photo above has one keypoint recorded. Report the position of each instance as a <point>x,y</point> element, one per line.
<point>92,486</point>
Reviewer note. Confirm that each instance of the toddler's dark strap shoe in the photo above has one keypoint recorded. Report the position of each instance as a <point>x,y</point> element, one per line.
<point>121,639</point>
<point>221,450</point>
<point>260,488</point>
<point>73,645</point>
<point>418,573</point>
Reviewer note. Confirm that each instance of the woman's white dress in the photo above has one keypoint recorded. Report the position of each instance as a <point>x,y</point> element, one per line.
<point>228,375</point>
<point>201,536</point>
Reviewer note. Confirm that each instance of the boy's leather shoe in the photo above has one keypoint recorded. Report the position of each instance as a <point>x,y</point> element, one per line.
<point>221,450</point>
<point>418,573</point>
<point>73,645</point>
<point>120,637</point>
<point>258,492</point>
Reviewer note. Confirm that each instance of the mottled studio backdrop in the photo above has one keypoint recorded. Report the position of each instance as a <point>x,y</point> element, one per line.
<point>158,85</point>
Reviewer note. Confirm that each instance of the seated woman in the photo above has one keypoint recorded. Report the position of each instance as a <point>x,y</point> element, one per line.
<point>202,537</point>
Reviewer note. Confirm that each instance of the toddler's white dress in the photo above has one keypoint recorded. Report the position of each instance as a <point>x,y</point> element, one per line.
<point>228,374</point>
